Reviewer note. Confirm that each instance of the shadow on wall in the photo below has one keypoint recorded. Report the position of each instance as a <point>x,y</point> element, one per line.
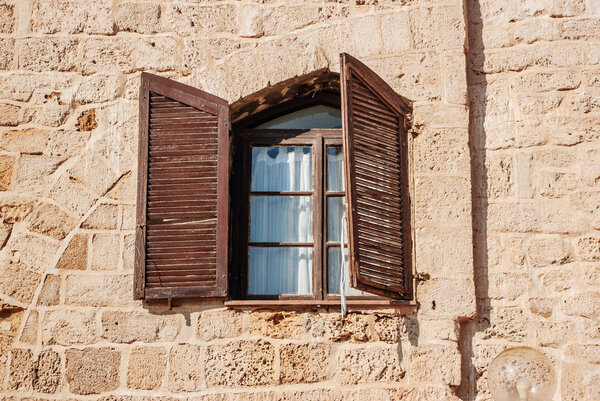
<point>477,89</point>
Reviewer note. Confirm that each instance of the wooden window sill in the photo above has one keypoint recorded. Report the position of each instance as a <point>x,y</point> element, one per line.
<point>356,303</point>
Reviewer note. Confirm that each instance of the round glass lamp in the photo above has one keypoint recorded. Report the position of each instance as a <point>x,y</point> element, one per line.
<point>521,374</point>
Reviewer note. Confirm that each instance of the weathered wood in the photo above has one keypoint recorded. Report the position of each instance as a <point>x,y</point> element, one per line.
<point>376,171</point>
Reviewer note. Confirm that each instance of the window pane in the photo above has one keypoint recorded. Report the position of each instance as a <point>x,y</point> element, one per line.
<point>280,218</point>
<point>279,270</point>
<point>310,117</point>
<point>335,168</point>
<point>335,211</point>
<point>333,272</point>
<point>282,168</point>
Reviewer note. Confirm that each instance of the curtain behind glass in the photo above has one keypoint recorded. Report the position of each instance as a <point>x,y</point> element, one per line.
<point>280,218</point>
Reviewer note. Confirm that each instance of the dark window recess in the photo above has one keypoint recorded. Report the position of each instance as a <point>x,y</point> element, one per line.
<point>277,237</point>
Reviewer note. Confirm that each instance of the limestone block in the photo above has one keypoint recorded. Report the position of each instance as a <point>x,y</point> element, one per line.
<point>307,55</point>
<point>541,306</point>
<point>455,78</point>
<point>240,363</point>
<point>571,380</point>
<point>451,27</point>
<point>186,368</point>
<point>395,32</point>
<point>30,331</point>
<point>492,37</point>
<point>7,52</point>
<point>495,13</point>
<point>194,53</point>
<point>92,370</point>
<point>589,353</point>
<point>137,17</point>
<point>367,38</point>
<point>21,371</point>
<point>447,298</point>
<point>436,198</point>
<point>593,54</point>
<point>250,21</point>
<point>423,28</point>
<point>586,304</point>
<point>108,54</point>
<point>34,252</point>
<point>373,364</point>
<point>146,368</point>
<point>393,329</point>
<point>442,151</point>
<point>50,291</point>
<point>47,219</point>
<point>537,104</point>
<point>435,363</point>
<point>589,249</point>
<point>105,217</point>
<point>543,81</point>
<point>158,54</point>
<point>285,18</point>
<point>217,48</point>
<point>95,172</point>
<point>14,211</point>
<point>559,279</point>
<point>7,164</point>
<point>304,363</point>
<point>5,346</point>
<point>355,327</point>
<point>71,195</point>
<point>124,189</point>
<point>191,19</point>
<point>105,290</point>
<point>127,327</point>
<point>12,316</point>
<point>507,286</point>
<point>128,251</point>
<point>567,8</point>
<point>128,217</point>
<point>75,255</point>
<point>440,257</point>
<point>99,88</point>
<point>553,184</point>
<point>507,60</point>
<point>67,327</point>
<point>277,324</point>
<point>549,251</point>
<point>33,171</point>
<point>532,30</point>
<point>594,387</point>
<point>47,53</point>
<point>508,323</point>
<point>591,175</point>
<point>105,251</point>
<point>591,328</point>
<point>9,115</point>
<point>559,54</point>
<point>31,140</point>
<point>220,324</point>
<point>7,18</point>
<point>512,217</point>
<point>435,115</point>
<point>554,157</point>
<point>69,16</point>
<point>17,281</point>
<point>49,115</point>
<point>47,372</point>
<point>65,143</point>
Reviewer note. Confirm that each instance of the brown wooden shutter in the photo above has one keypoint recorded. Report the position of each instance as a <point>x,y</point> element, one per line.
<point>183,196</point>
<point>376,170</point>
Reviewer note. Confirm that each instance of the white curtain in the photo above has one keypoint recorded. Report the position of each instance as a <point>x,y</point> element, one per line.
<point>281,218</point>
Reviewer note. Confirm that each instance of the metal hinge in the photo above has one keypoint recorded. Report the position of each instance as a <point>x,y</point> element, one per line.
<point>408,125</point>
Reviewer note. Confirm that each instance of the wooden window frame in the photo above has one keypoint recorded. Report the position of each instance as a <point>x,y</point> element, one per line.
<point>319,139</point>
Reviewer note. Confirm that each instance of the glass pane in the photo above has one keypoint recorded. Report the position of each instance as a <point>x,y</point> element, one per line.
<point>280,218</point>
<point>335,211</point>
<point>335,168</point>
<point>333,272</point>
<point>282,168</point>
<point>308,118</point>
<point>278,270</point>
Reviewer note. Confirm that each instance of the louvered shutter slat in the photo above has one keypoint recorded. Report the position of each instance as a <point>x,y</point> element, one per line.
<point>183,194</point>
<point>376,169</point>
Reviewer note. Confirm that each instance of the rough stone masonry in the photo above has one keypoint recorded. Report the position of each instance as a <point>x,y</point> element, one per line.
<point>506,195</point>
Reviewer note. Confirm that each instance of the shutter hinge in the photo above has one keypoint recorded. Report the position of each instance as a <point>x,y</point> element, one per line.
<point>421,276</point>
<point>141,226</point>
<point>408,125</point>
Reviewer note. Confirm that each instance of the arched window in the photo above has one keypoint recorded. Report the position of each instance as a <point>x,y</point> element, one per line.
<point>246,200</point>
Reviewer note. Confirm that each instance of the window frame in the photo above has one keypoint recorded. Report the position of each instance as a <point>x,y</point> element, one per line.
<point>319,139</point>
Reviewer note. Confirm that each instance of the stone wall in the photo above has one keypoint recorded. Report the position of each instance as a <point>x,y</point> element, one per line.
<point>501,134</point>
<point>535,136</point>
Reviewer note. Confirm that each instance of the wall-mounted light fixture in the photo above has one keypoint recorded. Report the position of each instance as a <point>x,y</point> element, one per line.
<point>521,374</point>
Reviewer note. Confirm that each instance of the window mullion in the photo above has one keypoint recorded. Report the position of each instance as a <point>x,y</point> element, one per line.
<point>318,146</point>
